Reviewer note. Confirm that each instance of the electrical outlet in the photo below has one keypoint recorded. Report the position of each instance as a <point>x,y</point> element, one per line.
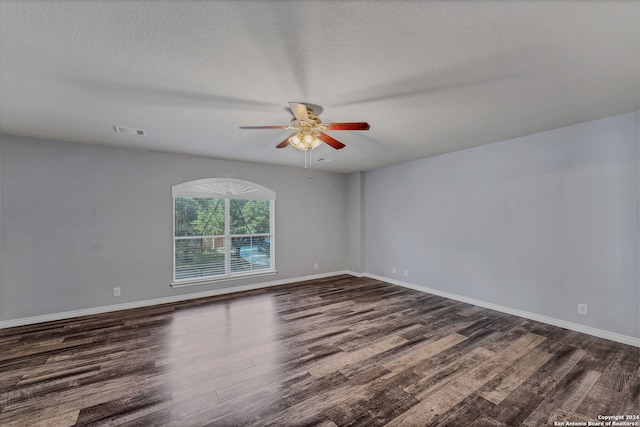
<point>582,309</point>
<point>116,292</point>
<point>393,270</point>
<point>315,266</point>
<point>406,273</point>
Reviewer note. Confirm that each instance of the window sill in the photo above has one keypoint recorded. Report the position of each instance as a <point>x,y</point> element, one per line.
<point>210,280</point>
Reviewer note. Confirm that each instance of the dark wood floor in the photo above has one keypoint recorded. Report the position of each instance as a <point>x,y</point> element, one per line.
<point>338,351</point>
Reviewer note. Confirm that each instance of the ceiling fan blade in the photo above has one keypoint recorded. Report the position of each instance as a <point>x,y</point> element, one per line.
<point>348,126</point>
<point>330,141</point>
<point>285,142</point>
<point>264,127</point>
<point>300,111</point>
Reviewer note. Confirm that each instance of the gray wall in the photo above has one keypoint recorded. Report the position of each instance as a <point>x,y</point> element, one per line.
<point>355,225</point>
<point>1,230</point>
<point>78,220</point>
<point>538,223</point>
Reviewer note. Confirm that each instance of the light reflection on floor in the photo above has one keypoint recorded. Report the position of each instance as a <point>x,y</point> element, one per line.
<point>213,346</point>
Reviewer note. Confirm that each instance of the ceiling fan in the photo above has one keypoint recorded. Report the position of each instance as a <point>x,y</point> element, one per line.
<point>310,129</point>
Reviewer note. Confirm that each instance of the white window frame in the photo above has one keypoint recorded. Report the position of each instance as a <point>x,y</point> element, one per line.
<point>228,189</point>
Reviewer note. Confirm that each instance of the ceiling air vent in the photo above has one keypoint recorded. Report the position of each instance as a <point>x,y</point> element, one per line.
<point>132,131</point>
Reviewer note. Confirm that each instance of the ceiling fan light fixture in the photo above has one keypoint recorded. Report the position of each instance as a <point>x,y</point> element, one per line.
<point>304,140</point>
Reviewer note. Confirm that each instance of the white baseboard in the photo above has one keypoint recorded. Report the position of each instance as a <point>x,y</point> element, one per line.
<point>137,304</point>
<point>503,309</point>
<point>353,273</point>
<point>624,339</point>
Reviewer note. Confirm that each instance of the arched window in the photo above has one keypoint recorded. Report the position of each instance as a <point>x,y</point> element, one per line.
<point>222,229</point>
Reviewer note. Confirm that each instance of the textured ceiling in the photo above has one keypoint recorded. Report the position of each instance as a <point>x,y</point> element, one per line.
<point>429,76</point>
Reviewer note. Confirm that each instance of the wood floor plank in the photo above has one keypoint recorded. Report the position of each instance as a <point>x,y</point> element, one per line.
<point>602,400</point>
<point>496,391</point>
<point>44,418</point>
<point>435,376</point>
<point>575,396</point>
<point>125,408</point>
<point>422,351</point>
<point>469,411</point>
<point>340,360</point>
<point>563,399</point>
<point>335,351</point>
<point>64,420</point>
<point>513,410</point>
